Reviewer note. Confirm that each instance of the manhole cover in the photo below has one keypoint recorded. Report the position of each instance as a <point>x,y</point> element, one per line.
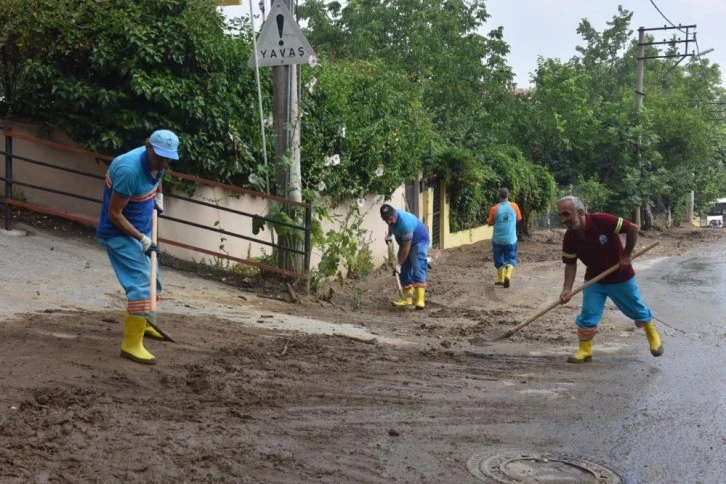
<point>516,466</point>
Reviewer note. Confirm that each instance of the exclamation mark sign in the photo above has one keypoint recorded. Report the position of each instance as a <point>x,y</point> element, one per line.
<point>280,22</point>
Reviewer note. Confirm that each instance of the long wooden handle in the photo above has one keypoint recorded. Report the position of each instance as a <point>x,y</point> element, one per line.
<point>152,275</point>
<point>580,288</point>
<point>398,284</point>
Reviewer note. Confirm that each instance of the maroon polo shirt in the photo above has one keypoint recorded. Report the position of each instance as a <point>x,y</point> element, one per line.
<point>600,249</point>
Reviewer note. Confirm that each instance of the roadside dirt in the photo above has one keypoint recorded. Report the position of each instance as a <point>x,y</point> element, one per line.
<point>237,403</point>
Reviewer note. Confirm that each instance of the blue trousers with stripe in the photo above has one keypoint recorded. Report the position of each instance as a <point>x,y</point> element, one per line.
<point>133,271</point>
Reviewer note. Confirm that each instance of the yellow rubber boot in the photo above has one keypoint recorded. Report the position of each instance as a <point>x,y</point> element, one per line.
<point>420,296</point>
<point>500,277</point>
<point>132,346</point>
<point>406,300</point>
<point>584,354</point>
<point>508,269</point>
<point>656,347</point>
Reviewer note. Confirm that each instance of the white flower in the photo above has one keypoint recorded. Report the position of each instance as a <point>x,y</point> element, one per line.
<point>311,84</point>
<point>361,202</point>
<point>332,160</point>
<point>254,179</point>
<point>379,171</point>
<point>341,132</point>
<point>313,61</point>
<point>321,186</point>
<point>268,121</point>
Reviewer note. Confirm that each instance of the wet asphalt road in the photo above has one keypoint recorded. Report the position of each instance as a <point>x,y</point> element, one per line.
<point>653,420</point>
<point>657,420</point>
<point>678,425</point>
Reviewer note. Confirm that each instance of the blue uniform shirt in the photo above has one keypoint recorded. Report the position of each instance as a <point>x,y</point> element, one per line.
<point>129,176</point>
<point>409,228</point>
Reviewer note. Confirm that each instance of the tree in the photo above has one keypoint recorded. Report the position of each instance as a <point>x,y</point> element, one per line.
<point>436,44</point>
<point>581,122</point>
<point>109,72</point>
<point>364,129</point>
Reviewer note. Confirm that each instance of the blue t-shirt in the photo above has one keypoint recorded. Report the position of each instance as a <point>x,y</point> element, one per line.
<point>504,217</point>
<point>409,228</point>
<point>129,177</point>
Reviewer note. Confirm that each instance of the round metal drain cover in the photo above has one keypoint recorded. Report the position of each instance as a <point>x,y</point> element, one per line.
<point>516,466</point>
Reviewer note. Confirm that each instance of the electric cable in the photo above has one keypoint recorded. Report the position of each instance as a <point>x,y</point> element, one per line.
<point>666,18</point>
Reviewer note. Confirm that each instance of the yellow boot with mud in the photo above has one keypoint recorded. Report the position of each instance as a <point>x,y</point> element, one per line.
<point>500,277</point>
<point>656,347</point>
<point>132,346</point>
<point>420,296</point>
<point>584,354</point>
<point>508,270</point>
<point>406,300</point>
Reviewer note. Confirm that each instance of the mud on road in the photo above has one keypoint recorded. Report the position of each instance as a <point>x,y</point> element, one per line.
<point>247,395</point>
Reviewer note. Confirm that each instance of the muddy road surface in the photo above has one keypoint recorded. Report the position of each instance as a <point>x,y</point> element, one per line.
<point>347,389</point>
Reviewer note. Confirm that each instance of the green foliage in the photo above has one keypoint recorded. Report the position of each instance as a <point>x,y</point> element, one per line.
<point>530,185</point>
<point>347,246</point>
<point>474,180</point>
<point>593,193</point>
<point>436,45</point>
<point>581,122</point>
<point>109,72</point>
<point>466,178</point>
<point>370,117</point>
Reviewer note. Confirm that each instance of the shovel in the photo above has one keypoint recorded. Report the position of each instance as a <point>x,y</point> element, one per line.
<point>152,282</point>
<point>575,291</point>
<point>398,284</point>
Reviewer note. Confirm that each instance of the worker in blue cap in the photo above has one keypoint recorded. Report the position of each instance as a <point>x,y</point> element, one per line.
<point>131,194</point>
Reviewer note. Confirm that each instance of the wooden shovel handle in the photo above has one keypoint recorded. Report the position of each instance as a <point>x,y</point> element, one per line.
<point>580,288</point>
<point>152,273</point>
<point>398,284</point>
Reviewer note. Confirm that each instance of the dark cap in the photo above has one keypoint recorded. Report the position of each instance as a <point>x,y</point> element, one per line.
<point>387,211</point>
<point>503,192</point>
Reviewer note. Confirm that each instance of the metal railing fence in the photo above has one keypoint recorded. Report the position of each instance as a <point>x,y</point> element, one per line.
<point>11,182</point>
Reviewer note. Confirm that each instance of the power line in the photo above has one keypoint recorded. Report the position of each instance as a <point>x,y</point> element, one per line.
<point>698,50</point>
<point>662,15</point>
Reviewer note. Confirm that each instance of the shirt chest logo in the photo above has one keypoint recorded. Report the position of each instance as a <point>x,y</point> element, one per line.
<point>603,239</point>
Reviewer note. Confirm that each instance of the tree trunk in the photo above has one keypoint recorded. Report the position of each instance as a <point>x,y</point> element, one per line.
<point>647,217</point>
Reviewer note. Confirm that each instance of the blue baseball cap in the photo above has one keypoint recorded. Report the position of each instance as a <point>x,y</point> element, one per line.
<point>165,143</point>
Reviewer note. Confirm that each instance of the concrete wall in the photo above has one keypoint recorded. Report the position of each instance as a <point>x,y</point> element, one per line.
<point>51,178</point>
<point>450,239</point>
<point>375,229</point>
<point>47,177</point>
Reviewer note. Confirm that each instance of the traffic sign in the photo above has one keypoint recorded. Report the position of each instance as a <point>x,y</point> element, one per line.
<point>281,42</point>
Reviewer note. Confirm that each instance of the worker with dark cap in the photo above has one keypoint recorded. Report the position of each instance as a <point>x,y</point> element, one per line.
<point>504,217</point>
<point>413,241</point>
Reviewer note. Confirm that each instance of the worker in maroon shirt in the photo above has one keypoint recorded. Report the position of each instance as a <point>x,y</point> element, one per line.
<point>593,238</point>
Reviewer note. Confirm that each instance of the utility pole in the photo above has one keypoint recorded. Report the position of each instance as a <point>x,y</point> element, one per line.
<point>281,45</point>
<point>639,94</point>
<point>287,140</point>
<point>639,103</point>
